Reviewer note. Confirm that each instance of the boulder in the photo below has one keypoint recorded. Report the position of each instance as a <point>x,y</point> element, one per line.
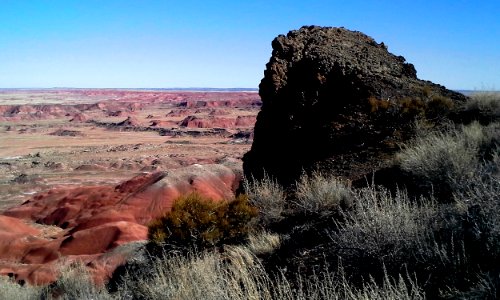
<point>337,100</point>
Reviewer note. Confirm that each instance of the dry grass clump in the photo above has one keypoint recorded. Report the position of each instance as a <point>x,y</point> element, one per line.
<point>399,288</point>
<point>443,161</point>
<point>263,242</point>
<point>483,107</point>
<point>10,289</point>
<point>268,196</point>
<point>234,273</point>
<point>320,194</point>
<point>237,274</point>
<point>488,103</point>
<point>75,282</point>
<point>386,228</point>
<point>439,157</point>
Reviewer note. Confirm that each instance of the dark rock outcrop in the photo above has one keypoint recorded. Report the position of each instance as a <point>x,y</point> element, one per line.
<point>337,99</point>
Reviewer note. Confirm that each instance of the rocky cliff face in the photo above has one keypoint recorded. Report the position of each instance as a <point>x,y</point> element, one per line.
<point>337,99</point>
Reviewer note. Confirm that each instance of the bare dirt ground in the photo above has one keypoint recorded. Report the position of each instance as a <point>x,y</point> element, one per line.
<point>53,138</point>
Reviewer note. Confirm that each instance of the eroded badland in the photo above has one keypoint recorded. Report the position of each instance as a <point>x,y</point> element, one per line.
<point>55,138</point>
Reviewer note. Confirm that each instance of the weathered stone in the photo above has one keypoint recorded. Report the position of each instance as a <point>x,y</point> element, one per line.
<point>336,99</point>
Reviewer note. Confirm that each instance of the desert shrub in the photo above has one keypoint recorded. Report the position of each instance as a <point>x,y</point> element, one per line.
<point>481,196</point>
<point>489,146</point>
<point>442,161</point>
<point>487,286</point>
<point>469,231</point>
<point>384,230</point>
<point>319,193</point>
<point>488,103</point>
<point>483,107</point>
<point>438,107</point>
<point>376,104</point>
<point>431,107</point>
<point>233,219</point>
<point>445,161</point>
<point>200,222</point>
<point>389,235</point>
<point>426,91</point>
<point>268,196</point>
<point>412,106</point>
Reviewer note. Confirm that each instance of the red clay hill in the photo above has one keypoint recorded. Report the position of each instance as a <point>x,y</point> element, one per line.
<point>82,172</point>
<point>89,224</point>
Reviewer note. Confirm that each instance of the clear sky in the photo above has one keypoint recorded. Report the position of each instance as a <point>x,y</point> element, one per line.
<point>138,44</point>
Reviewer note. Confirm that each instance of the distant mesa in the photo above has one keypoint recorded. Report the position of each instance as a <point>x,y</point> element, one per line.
<point>116,113</point>
<point>245,121</point>
<point>130,121</point>
<point>178,113</point>
<point>233,103</point>
<point>80,117</point>
<point>218,112</point>
<point>217,122</point>
<point>207,122</point>
<point>162,123</point>
<point>331,95</point>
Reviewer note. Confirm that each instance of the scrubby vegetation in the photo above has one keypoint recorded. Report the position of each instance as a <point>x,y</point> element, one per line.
<point>198,223</point>
<point>428,105</point>
<point>325,239</point>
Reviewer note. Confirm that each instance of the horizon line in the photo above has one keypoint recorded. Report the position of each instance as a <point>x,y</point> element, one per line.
<point>243,89</point>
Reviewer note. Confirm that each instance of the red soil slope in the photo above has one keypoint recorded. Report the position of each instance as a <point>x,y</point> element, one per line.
<point>87,224</point>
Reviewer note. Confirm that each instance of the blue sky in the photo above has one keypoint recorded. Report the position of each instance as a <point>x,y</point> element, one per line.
<point>138,44</point>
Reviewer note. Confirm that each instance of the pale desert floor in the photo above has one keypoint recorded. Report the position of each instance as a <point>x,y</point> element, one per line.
<point>41,148</point>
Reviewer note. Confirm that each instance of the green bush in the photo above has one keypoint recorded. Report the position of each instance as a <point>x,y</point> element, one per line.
<point>200,222</point>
